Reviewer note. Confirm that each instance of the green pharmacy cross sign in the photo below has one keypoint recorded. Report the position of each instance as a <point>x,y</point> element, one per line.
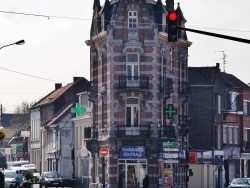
<point>78,110</point>
<point>170,111</point>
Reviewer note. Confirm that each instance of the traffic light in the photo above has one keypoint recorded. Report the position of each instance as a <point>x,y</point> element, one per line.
<point>172,26</point>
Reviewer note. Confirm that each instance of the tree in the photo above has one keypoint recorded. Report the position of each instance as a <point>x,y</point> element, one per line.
<point>21,116</point>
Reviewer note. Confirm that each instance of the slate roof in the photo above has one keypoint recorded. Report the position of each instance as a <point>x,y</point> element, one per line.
<point>60,115</point>
<point>202,75</point>
<point>52,96</point>
<point>232,81</point>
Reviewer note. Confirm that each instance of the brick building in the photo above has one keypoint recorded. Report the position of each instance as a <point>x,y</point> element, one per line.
<point>136,74</point>
<point>219,109</point>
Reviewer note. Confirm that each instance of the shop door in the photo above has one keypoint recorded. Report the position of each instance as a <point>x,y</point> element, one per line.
<point>132,176</point>
<point>131,173</point>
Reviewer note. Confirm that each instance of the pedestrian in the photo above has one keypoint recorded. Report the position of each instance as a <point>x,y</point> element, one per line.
<point>145,182</point>
<point>18,179</point>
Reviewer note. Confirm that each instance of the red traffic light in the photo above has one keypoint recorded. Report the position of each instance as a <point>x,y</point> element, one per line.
<point>172,16</point>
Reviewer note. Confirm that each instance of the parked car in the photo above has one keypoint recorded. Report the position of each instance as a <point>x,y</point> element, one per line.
<point>240,182</point>
<point>9,177</point>
<point>16,164</point>
<point>33,169</point>
<point>51,179</point>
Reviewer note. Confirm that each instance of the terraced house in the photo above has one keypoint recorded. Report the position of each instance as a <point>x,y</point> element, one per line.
<point>138,92</point>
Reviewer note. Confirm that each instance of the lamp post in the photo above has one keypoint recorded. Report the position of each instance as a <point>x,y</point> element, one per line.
<point>20,42</point>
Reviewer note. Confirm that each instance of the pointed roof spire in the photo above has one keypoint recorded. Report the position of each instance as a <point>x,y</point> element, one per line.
<point>96,4</point>
<point>106,7</point>
<point>159,6</point>
<point>170,5</point>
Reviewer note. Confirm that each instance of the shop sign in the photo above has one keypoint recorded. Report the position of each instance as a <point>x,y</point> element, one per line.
<point>19,149</point>
<point>132,152</point>
<point>245,156</point>
<point>192,157</point>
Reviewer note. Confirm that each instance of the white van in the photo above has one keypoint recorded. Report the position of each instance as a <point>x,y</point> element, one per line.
<point>33,169</point>
<point>18,163</point>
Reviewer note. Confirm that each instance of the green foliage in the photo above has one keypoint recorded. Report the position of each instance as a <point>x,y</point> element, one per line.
<point>27,184</point>
<point>29,175</point>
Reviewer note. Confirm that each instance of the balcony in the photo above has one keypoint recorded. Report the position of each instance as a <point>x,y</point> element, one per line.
<point>133,82</point>
<point>136,131</point>
<point>145,132</point>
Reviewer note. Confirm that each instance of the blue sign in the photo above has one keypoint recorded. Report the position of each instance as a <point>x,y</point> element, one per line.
<point>132,152</point>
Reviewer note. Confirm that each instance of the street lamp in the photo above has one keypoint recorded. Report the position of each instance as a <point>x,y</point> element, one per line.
<point>20,42</point>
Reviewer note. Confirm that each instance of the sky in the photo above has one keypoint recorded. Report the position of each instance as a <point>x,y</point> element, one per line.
<point>55,32</point>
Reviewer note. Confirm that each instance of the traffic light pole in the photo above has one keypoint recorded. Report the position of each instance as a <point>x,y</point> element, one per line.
<point>216,35</point>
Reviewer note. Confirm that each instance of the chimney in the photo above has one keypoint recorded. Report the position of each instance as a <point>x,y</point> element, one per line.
<point>75,79</point>
<point>58,85</point>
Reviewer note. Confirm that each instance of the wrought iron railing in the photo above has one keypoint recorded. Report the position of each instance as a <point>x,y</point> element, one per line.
<point>133,82</point>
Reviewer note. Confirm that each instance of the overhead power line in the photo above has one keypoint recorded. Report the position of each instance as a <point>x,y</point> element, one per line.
<point>31,75</point>
<point>41,15</point>
<point>89,19</point>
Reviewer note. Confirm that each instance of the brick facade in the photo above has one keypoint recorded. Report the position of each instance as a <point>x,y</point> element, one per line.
<point>146,41</point>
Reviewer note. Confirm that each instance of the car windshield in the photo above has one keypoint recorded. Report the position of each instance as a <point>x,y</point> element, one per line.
<point>10,174</point>
<point>51,175</point>
<point>240,181</point>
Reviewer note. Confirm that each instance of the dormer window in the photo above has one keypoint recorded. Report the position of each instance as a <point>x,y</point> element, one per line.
<point>132,19</point>
<point>102,22</point>
<point>164,22</point>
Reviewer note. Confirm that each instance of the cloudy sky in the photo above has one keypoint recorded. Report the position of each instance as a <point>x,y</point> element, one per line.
<point>55,32</point>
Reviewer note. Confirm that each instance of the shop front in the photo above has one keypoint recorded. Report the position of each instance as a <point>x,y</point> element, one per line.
<point>132,166</point>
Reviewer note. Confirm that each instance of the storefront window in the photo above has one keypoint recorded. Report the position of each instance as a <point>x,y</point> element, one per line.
<point>131,173</point>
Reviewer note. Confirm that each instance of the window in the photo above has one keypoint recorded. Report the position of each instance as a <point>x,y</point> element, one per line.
<point>232,101</point>
<point>54,139</point>
<point>132,19</point>
<point>246,107</point>
<point>132,70</point>
<point>235,135</point>
<point>218,104</point>
<point>164,22</point>
<point>132,111</point>
<point>225,129</point>
<point>230,132</point>
<point>102,21</point>
<point>245,135</point>
<point>171,58</point>
<point>219,137</point>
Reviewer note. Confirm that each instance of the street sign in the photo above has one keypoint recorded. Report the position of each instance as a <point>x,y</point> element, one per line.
<point>103,152</point>
<point>171,161</point>
<point>171,149</point>
<point>171,144</point>
<point>170,155</point>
